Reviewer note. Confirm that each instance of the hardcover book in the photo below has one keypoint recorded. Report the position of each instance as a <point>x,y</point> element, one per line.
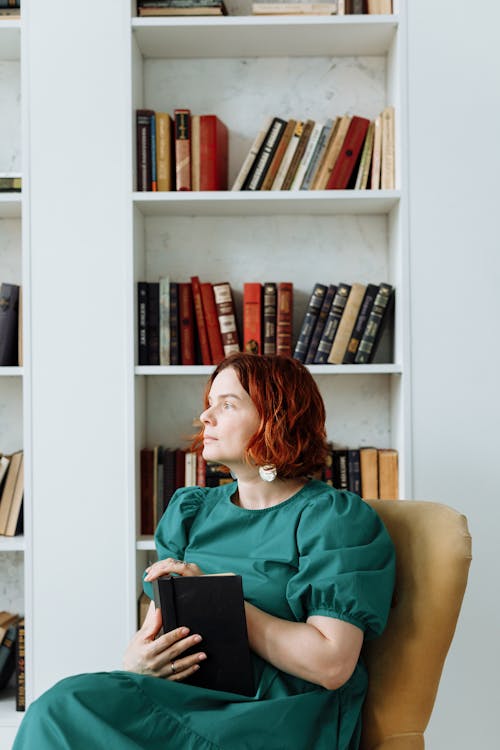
<point>9,489</point>
<point>317,155</point>
<point>347,160</point>
<point>272,170</point>
<point>182,119</point>
<point>309,321</point>
<point>212,322</point>
<point>206,357</point>
<point>378,317</point>
<point>263,159</point>
<point>368,461</point>
<point>387,175</point>
<point>9,323</point>
<point>165,156</point>
<point>144,119</point>
<point>8,655</point>
<point>186,324</point>
<point>332,152</point>
<point>142,322</point>
<point>226,313</point>
<point>250,157</point>
<point>298,155</point>
<point>320,324</point>
<point>332,324</point>
<point>388,475</point>
<point>153,323</point>
<point>284,319</point>
<point>252,317</point>
<point>209,153</point>
<point>346,325</point>
<point>360,324</point>
<point>269,317</point>
<point>288,156</point>
<point>213,606</point>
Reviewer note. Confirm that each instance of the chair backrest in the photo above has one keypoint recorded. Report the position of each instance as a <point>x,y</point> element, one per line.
<point>433,554</point>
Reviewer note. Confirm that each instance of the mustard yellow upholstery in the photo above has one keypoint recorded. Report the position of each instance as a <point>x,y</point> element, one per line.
<point>433,553</point>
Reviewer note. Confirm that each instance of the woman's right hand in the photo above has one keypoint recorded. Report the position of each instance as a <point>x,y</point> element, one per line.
<point>162,657</point>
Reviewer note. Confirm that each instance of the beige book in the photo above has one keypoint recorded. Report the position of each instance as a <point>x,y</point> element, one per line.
<point>164,166</point>
<point>249,159</point>
<point>368,462</point>
<point>388,474</point>
<point>346,325</point>
<point>20,329</point>
<point>287,158</point>
<point>17,499</point>
<point>365,161</point>
<point>331,154</point>
<point>376,7</point>
<point>9,489</point>
<point>195,152</point>
<point>387,179</point>
<point>294,9</point>
<point>377,153</point>
<point>278,155</point>
<point>306,159</point>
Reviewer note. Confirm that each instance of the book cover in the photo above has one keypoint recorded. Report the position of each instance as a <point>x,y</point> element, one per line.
<point>332,324</point>
<point>209,153</point>
<point>368,462</point>
<point>354,470</point>
<point>147,491</point>
<point>252,317</point>
<point>378,316</point>
<point>226,314</point>
<point>206,356</point>
<point>272,170</point>
<point>332,151</point>
<point>213,606</point>
<point>8,655</point>
<point>212,321</point>
<point>143,152</point>
<point>9,489</point>
<point>307,156</point>
<point>182,120</point>
<point>165,156</point>
<point>376,154</point>
<point>252,153</point>
<point>175,346</point>
<point>9,324</point>
<point>263,159</point>
<point>320,324</point>
<point>365,161</point>
<point>270,302</point>
<point>298,154</point>
<point>348,158</point>
<point>387,167</point>
<point>309,321</point>
<point>284,319</point>
<point>153,323</point>
<point>288,156</point>
<point>346,324</point>
<point>317,155</point>
<point>360,324</point>
<point>20,667</point>
<point>15,510</point>
<point>164,320</point>
<point>186,324</point>
<point>388,474</point>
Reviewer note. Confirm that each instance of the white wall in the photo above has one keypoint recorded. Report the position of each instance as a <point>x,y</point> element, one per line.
<point>454,84</point>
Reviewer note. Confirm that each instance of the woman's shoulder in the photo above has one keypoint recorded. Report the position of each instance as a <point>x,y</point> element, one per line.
<point>325,498</point>
<point>189,500</point>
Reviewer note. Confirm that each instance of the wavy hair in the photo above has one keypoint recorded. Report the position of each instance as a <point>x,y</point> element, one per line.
<point>291,434</point>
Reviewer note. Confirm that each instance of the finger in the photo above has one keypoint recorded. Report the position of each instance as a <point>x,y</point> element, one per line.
<point>168,641</point>
<point>170,565</point>
<point>179,676</point>
<point>164,651</point>
<point>183,667</point>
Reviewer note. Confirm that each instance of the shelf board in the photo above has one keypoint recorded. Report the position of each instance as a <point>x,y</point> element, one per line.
<point>177,370</point>
<point>145,542</point>
<point>11,372</point>
<point>268,203</point>
<point>10,39</point>
<point>9,717</point>
<point>12,544</point>
<point>257,36</point>
<point>10,205</point>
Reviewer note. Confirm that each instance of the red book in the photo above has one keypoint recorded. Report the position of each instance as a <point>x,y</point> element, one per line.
<point>252,317</point>
<point>206,357</point>
<point>182,120</point>
<point>212,322</point>
<point>147,491</point>
<point>349,155</point>
<point>209,153</point>
<point>284,319</point>
<point>226,313</point>
<point>186,324</point>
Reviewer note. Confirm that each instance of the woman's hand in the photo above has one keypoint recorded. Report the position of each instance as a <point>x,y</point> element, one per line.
<point>162,657</point>
<point>169,565</point>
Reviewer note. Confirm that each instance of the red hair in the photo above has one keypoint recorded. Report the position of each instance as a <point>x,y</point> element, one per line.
<point>291,433</point>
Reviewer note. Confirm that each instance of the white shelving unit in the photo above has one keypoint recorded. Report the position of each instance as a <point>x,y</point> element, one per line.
<point>243,69</point>
<point>14,381</point>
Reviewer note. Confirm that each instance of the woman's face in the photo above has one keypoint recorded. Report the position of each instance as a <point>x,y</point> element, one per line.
<point>230,420</point>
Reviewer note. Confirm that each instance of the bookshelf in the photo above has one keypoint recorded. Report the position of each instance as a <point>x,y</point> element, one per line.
<point>243,69</point>
<point>14,381</point>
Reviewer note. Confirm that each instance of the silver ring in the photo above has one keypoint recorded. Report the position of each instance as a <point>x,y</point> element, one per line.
<point>172,668</point>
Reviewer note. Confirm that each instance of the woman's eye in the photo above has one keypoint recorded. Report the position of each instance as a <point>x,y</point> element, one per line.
<point>228,405</point>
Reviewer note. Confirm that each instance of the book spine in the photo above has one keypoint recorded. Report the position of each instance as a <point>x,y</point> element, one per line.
<point>387,180</point>
<point>201,473</point>
<point>252,317</point>
<point>354,471</point>
<point>307,157</point>
<point>332,152</point>
<point>360,324</point>
<point>144,157</point>
<point>164,320</point>
<point>142,322</point>
<point>206,356</point>
<point>317,155</point>
<point>250,157</point>
<point>388,477</point>
<point>9,324</point>
<point>214,140</point>
<point>284,319</point>
<point>288,156</point>
<point>309,321</point>
<point>371,334</point>
<point>278,155</point>
<point>195,152</point>
<point>257,174</point>
<point>346,325</point>
<point>20,667</point>
<point>340,470</point>
<point>154,179</point>
<point>212,321</point>
<point>332,324</point>
<point>182,119</point>
<point>186,324</point>
<point>226,313</point>
<point>12,527</point>
<point>376,154</point>
<point>269,316</point>
<point>299,153</point>
<point>146,473</point>
<point>164,155</point>
<point>175,357</point>
<point>8,655</point>
<point>347,160</point>
<point>368,461</point>
<point>153,322</point>
<point>320,324</point>
<point>364,164</point>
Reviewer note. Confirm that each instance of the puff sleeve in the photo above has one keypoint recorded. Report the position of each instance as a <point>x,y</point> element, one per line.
<point>346,563</point>
<point>172,532</point>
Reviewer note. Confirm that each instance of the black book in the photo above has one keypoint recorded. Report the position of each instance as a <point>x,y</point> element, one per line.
<point>9,324</point>
<point>360,324</point>
<point>153,323</point>
<point>263,159</point>
<point>309,321</point>
<point>340,471</point>
<point>354,470</point>
<point>212,606</point>
<point>332,324</point>
<point>8,655</point>
<point>142,321</point>
<point>320,324</point>
<point>175,351</point>
<point>377,319</point>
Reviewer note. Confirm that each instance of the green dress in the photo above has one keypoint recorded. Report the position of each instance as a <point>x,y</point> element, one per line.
<point>321,552</point>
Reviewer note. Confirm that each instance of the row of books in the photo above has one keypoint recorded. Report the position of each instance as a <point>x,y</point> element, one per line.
<point>183,152</point>
<point>342,153</point>
<point>10,325</point>
<point>367,471</point>
<point>11,493</point>
<point>9,184</point>
<point>13,655</point>
<point>344,323</point>
<point>181,8</point>
<point>195,322</point>
<point>299,7</point>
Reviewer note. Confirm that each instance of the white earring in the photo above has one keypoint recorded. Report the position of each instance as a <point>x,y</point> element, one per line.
<point>268,473</point>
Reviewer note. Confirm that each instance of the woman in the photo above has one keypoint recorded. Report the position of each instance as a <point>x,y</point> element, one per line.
<point>317,566</point>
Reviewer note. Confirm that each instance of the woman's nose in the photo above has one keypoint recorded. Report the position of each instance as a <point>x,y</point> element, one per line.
<point>206,416</point>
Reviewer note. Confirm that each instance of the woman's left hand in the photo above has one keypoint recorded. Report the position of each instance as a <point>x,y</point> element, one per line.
<point>168,566</point>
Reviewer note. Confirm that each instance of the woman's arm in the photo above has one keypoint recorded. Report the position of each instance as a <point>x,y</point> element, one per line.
<point>322,650</point>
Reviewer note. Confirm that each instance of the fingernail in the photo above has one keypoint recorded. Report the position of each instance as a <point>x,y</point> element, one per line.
<point>184,631</point>
<point>197,638</point>
<point>202,656</point>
